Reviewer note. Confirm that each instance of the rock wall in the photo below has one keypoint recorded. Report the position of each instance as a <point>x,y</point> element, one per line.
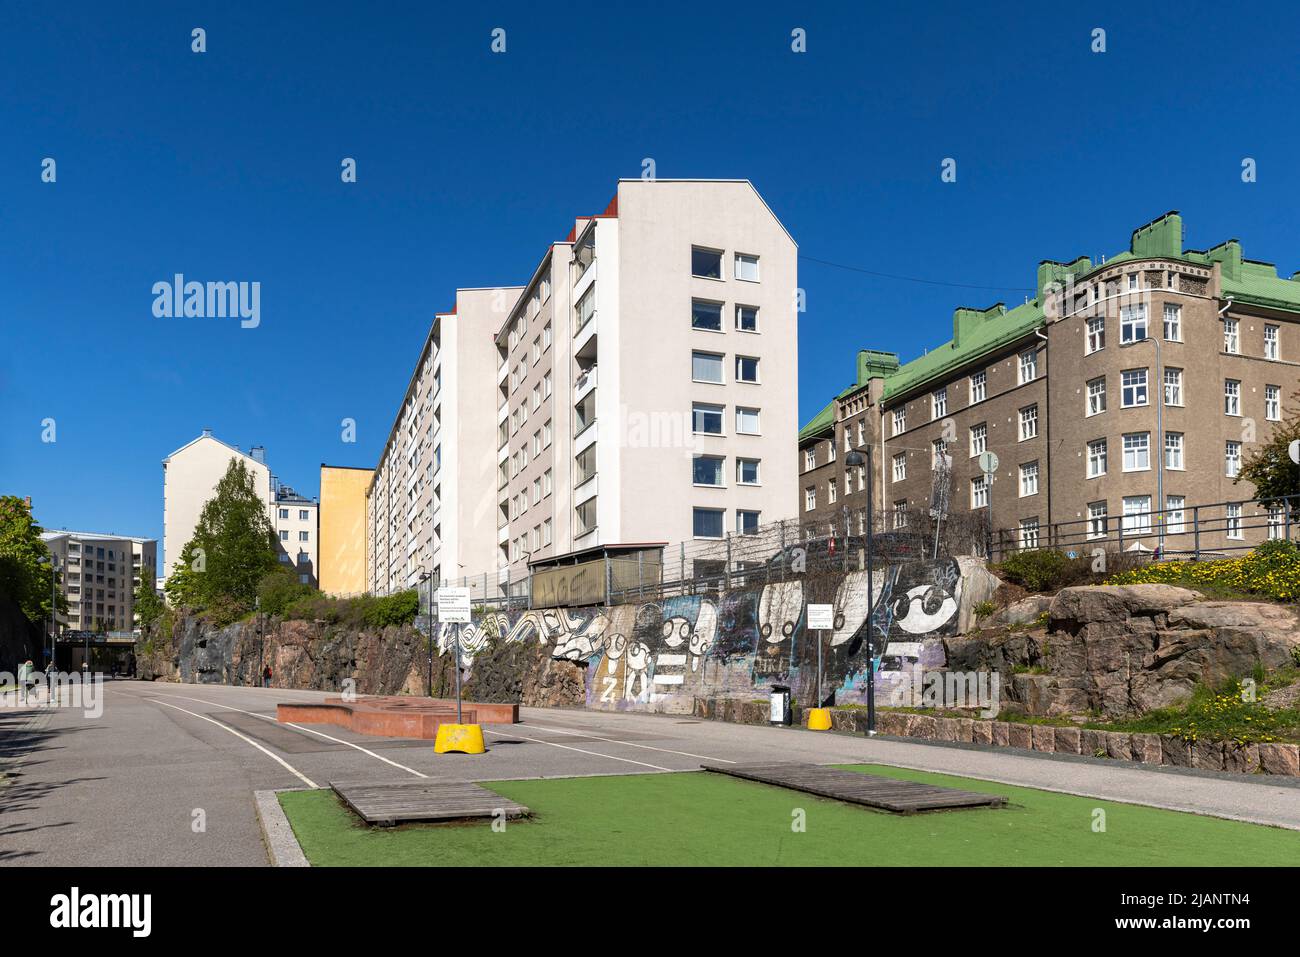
<point>1119,651</point>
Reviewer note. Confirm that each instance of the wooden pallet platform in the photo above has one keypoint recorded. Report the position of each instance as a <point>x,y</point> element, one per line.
<point>870,790</point>
<point>401,802</point>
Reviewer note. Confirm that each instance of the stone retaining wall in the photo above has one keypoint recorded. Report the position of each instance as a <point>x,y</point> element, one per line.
<point>1276,758</point>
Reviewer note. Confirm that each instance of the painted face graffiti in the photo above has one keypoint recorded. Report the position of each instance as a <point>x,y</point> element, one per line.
<point>925,608</point>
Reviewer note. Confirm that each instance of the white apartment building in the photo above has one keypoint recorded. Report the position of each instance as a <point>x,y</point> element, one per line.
<point>429,504</point>
<point>99,575</point>
<point>647,376</point>
<point>190,477</point>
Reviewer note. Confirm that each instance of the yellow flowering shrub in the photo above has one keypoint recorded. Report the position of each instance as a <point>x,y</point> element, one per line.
<point>1271,571</point>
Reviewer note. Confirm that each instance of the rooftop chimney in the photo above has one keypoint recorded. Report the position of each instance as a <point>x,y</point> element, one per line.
<point>207,433</point>
<point>258,453</point>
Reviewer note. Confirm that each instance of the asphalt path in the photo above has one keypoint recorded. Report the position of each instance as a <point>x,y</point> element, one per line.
<point>165,775</point>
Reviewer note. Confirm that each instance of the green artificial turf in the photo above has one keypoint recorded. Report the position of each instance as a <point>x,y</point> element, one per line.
<point>708,819</point>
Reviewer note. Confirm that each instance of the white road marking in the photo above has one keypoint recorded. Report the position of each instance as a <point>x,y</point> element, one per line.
<point>329,737</point>
<point>630,744</point>
<point>243,737</point>
<point>503,734</point>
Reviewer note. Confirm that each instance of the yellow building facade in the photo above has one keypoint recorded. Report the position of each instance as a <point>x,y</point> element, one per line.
<point>343,529</point>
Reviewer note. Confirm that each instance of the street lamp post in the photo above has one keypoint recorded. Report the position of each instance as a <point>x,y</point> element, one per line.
<point>853,460</point>
<point>1160,437</point>
<point>53,561</point>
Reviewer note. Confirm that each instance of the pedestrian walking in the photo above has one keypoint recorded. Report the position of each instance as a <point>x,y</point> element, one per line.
<point>266,677</point>
<point>25,679</point>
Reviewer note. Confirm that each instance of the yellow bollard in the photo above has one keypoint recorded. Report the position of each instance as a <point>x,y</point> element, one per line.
<point>819,719</point>
<point>463,738</point>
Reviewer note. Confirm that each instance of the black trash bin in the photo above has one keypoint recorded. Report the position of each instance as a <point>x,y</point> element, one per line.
<point>779,703</point>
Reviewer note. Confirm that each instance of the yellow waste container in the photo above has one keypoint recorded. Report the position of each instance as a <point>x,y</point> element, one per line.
<point>462,738</point>
<point>819,719</point>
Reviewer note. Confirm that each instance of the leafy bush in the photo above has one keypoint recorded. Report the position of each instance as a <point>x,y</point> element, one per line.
<point>279,589</point>
<point>364,611</point>
<point>984,609</point>
<point>1272,570</point>
<point>1039,569</point>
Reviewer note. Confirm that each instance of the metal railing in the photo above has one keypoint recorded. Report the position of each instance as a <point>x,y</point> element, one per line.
<point>1193,532</point>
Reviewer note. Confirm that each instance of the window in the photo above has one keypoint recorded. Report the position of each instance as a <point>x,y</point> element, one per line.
<point>747,424</point>
<point>706,419</point>
<point>810,498</point>
<point>1174,450</point>
<point>1133,388</point>
<point>1137,451</point>
<point>586,307</point>
<point>747,318</point>
<point>303,536</point>
<point>900,466</point>
<point>284,534</point>
<point>848,437</point>
<point>547,434</point>
<point>1173,322</point>
<point>303,514</point>
<point>585,517</point>
<point>1029,479</point>
<point>747,471</point>
<point>900,420</point>
<point>706,315</point>
<point>584,465</point>
<point>1096,519</point>
<point>746,369</point>
<point>584,254</point>
<point>706,263</point>
<point>1233,523</point>
<point>1175,514</point>
<point>1028,422</point>
<point>547,483</point>
<point>546,333</point>
<point>546,386</point>
<point>939,404</point>
<point>900,514</point>
<point>1028,366</point>
<point>1132,323</point>
<point>1276,522</point>
<point>707,470</point>
<point>546,532</point>
<point>979,384</point>
<point>1029,533</point>
<point>939,454</point>
<point>1231,338</point>
<point>1097,395</point>
<point>537,350</point>
<point>1096,458</point>
<point>1133,280</point>
<point>1232,459</point>
<point>810,458</point>
<point>706,367</point>
<point>746,267</point>
<point>830,450</point>
<point>1270,341</point>
<point>979,492</point>
<point>537,491</point>
<point>284,513</point>
<point>979,439</point>
<point>1137,514</point>
<point>832,491</point>
<point>1273,402</point>
<point>1231,397</point>
<point>1096,334</point>
<point>862,431</point>
<point>746,522</point>
<point>1173,387</point>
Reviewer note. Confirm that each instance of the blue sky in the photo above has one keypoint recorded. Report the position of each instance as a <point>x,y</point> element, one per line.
<point>225,166</point>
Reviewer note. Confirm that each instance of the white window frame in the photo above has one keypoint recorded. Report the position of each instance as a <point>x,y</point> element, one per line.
<point>1138,451</point>
<point>1232,337</point>
<point>1028,479</point>
<point>1132,384</point>
<point>1232,397</point>
<point>1098,457</point>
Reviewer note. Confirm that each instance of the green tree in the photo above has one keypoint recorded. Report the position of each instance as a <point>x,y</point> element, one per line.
<point>1269,467</point>
<point>232,548</point>
<point>147,603</point>
<point>23,577</point>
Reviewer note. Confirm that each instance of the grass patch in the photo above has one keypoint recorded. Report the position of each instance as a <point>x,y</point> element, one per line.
<point>1218,715</point>
<point>701,819</point>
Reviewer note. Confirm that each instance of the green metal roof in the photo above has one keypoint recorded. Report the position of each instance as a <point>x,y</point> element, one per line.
<point>977,332</point>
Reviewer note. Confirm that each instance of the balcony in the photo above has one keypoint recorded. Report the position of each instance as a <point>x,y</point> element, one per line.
<point>585,382</point>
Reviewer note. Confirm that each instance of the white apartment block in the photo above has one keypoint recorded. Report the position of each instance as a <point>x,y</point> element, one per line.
<point>99,576</point>
<point>430,502</point>
<point>647,377</point>
<point>190,477</point>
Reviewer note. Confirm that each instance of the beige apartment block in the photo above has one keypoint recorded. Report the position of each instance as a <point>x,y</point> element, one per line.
<point>646,376</point>
<point>430,502</point>
<point>343,529</point>
<point>190,477</point>
<point>1121,401</point>
<point>99,575</point>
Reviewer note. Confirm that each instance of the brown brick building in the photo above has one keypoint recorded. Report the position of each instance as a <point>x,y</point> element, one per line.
<point>1120,402</point>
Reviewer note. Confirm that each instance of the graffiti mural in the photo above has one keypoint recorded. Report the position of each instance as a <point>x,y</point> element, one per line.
<point>661,656</point>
